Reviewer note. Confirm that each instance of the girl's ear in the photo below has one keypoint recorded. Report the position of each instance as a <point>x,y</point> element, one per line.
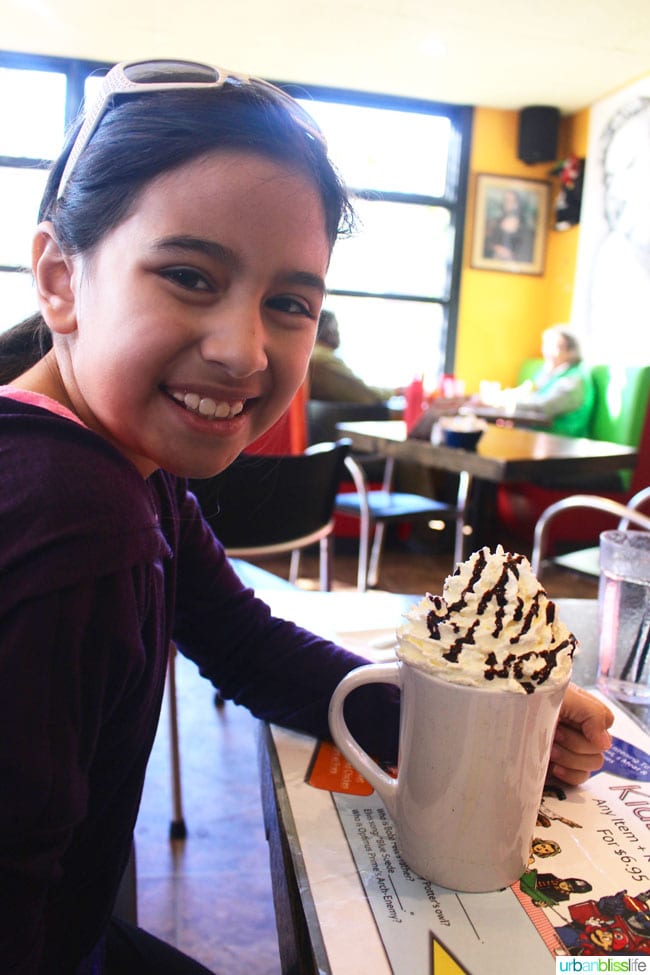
<point>53,280</point>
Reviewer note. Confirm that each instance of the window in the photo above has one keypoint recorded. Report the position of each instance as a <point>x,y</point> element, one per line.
<point>393,285</point>
<point>39,96</point>
<point>32,109</point>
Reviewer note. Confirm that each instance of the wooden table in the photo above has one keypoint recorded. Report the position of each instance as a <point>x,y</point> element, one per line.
<point>504,454</point>
<point>521,416</point>
<point>325,924</point>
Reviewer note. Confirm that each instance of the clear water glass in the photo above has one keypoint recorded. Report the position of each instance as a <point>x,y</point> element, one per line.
<point>624,616</point>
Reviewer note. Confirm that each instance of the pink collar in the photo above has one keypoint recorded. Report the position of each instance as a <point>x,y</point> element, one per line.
<point>39,399</point>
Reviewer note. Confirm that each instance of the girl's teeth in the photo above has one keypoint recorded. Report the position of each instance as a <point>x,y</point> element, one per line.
<point>221,410</point>
<point>207,407</point>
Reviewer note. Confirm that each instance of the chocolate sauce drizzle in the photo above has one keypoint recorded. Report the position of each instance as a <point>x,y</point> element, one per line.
<point>512,665</point>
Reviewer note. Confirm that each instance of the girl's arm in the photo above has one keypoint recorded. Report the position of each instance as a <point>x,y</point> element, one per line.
<point>280,672</point>
<point>73,680</point>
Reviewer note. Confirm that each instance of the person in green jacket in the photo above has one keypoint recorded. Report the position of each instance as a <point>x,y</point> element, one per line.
<point>562,390</point>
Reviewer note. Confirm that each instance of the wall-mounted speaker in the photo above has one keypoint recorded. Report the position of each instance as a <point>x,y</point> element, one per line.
<point>538,130</point>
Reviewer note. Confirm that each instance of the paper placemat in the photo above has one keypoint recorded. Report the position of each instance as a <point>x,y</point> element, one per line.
<point>586,890</point>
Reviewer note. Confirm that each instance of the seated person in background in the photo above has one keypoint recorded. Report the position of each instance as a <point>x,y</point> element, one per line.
<point>562,390</point>
<point>330,378</point>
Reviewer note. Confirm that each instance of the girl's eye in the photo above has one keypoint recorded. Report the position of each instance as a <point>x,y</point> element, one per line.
<point>291,305</point>
<point>187,278</point>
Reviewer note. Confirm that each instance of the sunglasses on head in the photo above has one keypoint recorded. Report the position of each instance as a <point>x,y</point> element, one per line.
<point>138,77</point>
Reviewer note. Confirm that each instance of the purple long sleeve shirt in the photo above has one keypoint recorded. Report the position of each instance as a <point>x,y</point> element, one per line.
<point>99,569</point>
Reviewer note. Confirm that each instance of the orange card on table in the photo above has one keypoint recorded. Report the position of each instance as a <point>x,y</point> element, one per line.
<point>330,771</point>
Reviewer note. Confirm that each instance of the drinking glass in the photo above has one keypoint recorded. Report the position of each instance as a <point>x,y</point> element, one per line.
<point>624,616</point>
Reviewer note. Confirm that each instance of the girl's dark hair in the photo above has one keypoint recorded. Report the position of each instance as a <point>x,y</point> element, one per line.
<point>22,346</point>
<point>142,137</point>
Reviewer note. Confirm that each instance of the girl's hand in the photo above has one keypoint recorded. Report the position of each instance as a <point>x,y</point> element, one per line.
<point>581,737</point>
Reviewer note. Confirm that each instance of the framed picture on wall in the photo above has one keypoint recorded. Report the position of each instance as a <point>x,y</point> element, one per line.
<point>510,224</point>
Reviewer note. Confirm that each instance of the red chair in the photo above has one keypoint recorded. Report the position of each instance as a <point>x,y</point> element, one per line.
<point>288,435</point>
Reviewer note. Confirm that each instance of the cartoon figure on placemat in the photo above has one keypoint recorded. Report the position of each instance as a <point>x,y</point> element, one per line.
<point>547,814</point>
<point>541,848</point>
<point>617,924</point>
<point>546,890</point>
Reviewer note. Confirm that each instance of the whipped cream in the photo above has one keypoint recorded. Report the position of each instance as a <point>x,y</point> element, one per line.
<point>494,626</point>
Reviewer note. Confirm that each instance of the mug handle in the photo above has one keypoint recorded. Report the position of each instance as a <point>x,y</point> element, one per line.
<point>389,673</point>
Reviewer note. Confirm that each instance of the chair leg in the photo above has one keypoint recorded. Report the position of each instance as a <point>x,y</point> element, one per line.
<point>362,571</point>
<point>375,554</point>
<point>177,828</point>
<point>294,566</point>
<point>380,527</point>
<point>364,543</point>
<point>464,484</point>
<point>365,522</point>
<point>325,564</point>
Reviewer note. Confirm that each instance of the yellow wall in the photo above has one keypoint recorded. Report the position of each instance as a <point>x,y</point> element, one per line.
<point>502,315</point>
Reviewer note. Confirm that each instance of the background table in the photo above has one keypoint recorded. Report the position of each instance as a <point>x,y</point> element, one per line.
<point>521,416</point>
<point>504,454</point>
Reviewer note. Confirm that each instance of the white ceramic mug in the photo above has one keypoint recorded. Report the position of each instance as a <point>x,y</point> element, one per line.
<point>471,770</point>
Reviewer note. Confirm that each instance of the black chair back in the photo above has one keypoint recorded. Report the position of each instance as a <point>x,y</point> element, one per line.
<point>268,499</point>
<point>323,415</point>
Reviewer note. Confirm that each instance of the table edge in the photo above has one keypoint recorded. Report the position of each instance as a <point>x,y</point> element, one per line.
<point>272,779</point>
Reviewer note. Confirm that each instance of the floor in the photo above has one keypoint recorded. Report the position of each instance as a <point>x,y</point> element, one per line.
<point>210,894</point>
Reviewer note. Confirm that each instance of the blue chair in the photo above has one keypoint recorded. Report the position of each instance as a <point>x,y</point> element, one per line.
<point>376,509</point>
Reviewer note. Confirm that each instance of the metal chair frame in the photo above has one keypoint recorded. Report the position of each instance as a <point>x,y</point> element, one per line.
<point>376,508</point>
<point>626,513</point>
<point>295,546</point>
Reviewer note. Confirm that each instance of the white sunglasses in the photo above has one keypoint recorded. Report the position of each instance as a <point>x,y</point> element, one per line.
<point>137,77</point>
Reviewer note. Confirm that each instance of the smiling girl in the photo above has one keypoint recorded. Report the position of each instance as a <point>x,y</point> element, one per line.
<point>179,264</point>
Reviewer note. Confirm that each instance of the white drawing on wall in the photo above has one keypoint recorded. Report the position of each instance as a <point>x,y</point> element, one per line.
<point>611,307</point>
